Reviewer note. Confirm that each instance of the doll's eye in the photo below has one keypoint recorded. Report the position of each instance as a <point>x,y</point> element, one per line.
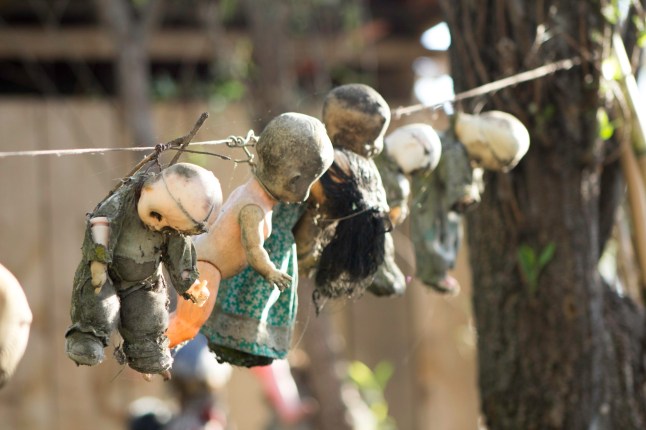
<point>155,215</point>
<point>294,179</point>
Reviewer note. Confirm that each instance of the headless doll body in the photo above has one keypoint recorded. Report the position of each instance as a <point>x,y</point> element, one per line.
<point>221,253</point>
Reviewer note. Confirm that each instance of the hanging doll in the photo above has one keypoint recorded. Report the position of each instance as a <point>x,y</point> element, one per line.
<point>119,281</point>
<point>492,140</point>
<point>409,150</point>
<point>293,152</point>
<point>15,321</point>
<point>343,235</point>
<point>252,323</point>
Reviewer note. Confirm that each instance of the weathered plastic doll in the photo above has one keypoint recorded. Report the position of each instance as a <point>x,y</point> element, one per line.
<point>15,321</point>
<point>409,150</point>
<point>492,140</point>
<point>119,281</point>
<point>343,238</point>
<point>352,216</point>
<point>293,152</point>
<point>252,323</point>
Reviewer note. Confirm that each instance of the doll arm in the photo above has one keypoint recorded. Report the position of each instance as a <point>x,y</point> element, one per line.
<point>397,187</point>
<point>252,234</point>
<point>180,260</point>
<point>102,231</point>
<point>462,192</point>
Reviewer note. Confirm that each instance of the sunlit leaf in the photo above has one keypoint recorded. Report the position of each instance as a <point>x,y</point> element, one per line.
<point>361,374</point>
<point>383,372</point>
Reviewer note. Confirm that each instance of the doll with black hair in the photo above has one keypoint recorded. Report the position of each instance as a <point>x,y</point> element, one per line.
<point>352,212</point>
<point>342,237</point>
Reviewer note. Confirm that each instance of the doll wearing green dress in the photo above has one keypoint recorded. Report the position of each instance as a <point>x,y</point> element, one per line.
<point>252,322</point>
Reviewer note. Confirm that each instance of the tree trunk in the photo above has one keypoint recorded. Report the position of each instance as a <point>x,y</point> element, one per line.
<point>130,33</point>
<point>327,363</point>
<point>565,353</point>
<point>273,86</point>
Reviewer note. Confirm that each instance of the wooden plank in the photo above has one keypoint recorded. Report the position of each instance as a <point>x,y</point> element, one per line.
<point>94,44</point>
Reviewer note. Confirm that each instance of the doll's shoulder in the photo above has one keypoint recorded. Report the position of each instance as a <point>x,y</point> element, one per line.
<point>123,199</point>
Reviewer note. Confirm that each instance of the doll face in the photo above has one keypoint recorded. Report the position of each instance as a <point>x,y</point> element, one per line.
<point>356,118</point>
<point>157,210</point>
<point>357,132</point>
<point>295,186</point>
<point>183,198</point>
<point>414,147</point>
<point>494,140</point>
<point>293,152</point>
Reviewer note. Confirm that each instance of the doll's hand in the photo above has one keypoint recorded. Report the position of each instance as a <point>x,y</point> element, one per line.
<point>99,273</point>
<point>198,292</point>
<point>281,280</point>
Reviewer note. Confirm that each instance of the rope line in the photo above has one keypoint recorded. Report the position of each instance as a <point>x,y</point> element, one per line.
<point>232,142</point>
<point>251,139</point>
<point>494,86</point>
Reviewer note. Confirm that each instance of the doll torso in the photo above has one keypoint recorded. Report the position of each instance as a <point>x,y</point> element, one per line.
<point>222,245</point>
<point>138,252</point>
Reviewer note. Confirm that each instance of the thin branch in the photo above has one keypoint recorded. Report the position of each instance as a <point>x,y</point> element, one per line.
<point>187,139</point>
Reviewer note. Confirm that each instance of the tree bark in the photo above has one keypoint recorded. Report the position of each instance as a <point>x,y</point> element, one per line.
<point>273,83</point>
<point>327,363</point>
<point>567,354</point>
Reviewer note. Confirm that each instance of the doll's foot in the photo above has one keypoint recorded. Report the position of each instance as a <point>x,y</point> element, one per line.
<point>148,356</point>
<point>447,285</point>
<point>84,349</point>
<point>149,377</point>
<point>305,409</point>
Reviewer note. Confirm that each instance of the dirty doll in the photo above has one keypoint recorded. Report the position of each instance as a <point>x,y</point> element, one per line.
<point>15,321</point>
<point>409,150</point>
<point>492,140</point>
<point>119,281</point>
<point>293,152</point>
<point>252,322</point>
<point>342,236</point>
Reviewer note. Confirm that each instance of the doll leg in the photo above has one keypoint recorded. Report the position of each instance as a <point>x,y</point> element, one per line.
<point>94,317</point>
<point>281,390</point>
<point>188,317</point>
<point>144,318</point>
<point>389,279</point>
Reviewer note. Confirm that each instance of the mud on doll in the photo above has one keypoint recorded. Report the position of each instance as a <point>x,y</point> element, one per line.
<point>119,283</point>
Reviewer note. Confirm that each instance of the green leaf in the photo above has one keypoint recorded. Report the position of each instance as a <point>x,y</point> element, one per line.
<point>641,40</point>
<point>361,374</point>
<point>611,12</point>
<point>606,128</point>
<point>547,255</point>
<point>380,410</point>
<point>383,372</point>
<point>527,257</point>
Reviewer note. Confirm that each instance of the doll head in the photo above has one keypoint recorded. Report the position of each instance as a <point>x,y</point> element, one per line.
<point>356,118</point>
<point>494,140</point>
<point>414,147</point>
<point>15,321</point>
<point>182,197</point>
<point>293,152</point>
<point>353,195</point>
